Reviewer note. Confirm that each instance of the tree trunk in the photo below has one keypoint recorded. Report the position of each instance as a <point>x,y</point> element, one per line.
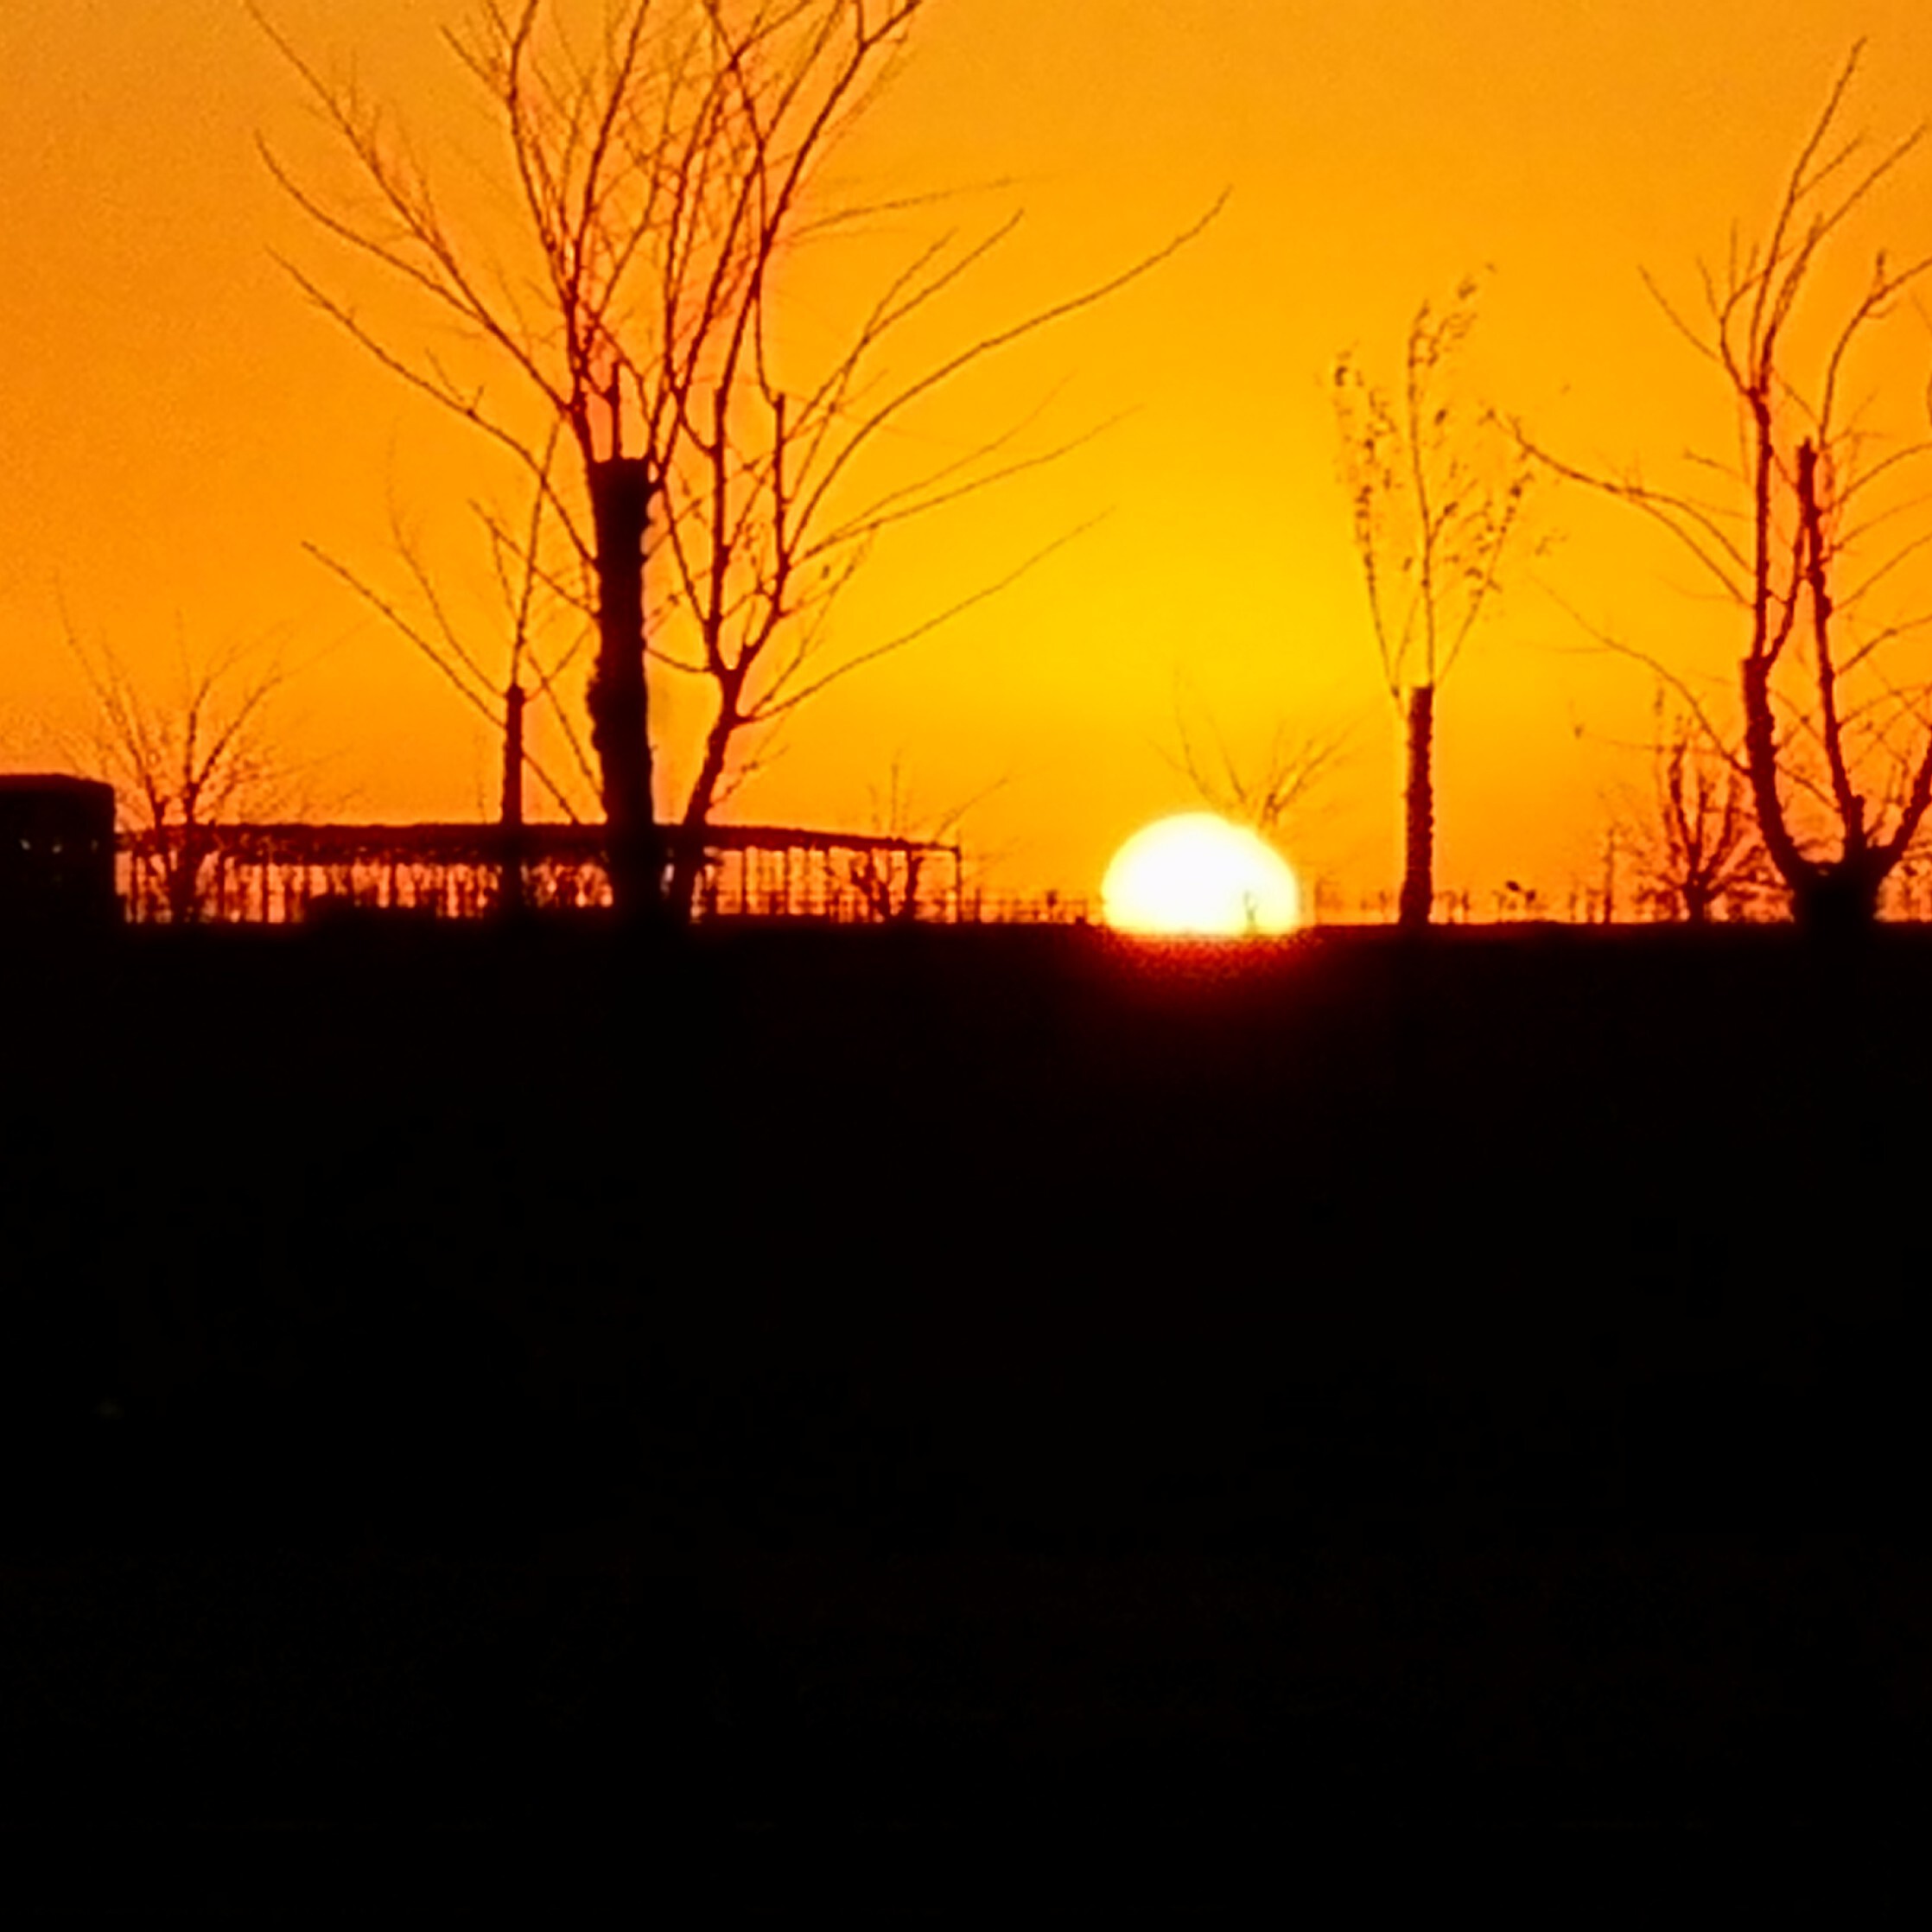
<point>1800,876</point>
<point>184,882</point>
<point>688,861</point>
<point>620,713</point>
<point>1418,815</point>
<point>510,885</point>
<point>1838,901</point>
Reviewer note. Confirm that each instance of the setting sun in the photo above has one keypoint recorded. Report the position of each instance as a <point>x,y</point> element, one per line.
<point>1199,873</point>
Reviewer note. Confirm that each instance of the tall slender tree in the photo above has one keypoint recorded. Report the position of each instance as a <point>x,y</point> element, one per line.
<point>1436,491</point>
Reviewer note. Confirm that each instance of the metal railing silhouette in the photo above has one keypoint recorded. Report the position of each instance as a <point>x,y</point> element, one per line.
<point>277,874</point>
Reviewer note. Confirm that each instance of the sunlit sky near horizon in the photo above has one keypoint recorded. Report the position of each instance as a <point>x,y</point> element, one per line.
<point>178,422</point>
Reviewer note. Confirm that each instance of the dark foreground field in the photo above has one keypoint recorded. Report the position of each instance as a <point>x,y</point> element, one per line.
<point>984,1419</point>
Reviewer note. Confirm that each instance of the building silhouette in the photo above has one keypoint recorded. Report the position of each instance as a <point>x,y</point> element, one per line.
<point>57,852</point>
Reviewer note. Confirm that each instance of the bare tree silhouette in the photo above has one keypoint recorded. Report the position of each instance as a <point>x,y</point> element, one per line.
<point>187,760</point>
<point>1269,791</point>
<point>517,657</point>
<point>666,164</point>
<point>1436,495</point>
<point>1691,834</point>
<point>895,888</point>
<point>1802,537</point>
<point>527,670</point>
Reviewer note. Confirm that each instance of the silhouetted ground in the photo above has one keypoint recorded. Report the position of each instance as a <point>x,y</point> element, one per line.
<point>879,1407</point>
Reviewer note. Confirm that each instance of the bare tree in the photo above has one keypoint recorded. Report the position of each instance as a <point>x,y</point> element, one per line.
<point>1801,529</point>
<point>185,760</point>
<point>667,160</point>
<point>526,668</point>
<point>1436,494</point>
<point>1270,792</point>
<point>1692,835</point>
<point>897,887</point>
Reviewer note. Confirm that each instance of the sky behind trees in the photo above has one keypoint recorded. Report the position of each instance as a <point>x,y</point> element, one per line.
<point>178,422</point>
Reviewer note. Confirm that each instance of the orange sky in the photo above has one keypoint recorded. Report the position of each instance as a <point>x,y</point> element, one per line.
<point>176,422</point>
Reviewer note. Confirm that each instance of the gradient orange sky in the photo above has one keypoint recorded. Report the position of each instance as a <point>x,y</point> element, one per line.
<point>177,420</point>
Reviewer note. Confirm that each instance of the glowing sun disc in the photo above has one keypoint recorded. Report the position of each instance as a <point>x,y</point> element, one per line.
<point>1197,874</point>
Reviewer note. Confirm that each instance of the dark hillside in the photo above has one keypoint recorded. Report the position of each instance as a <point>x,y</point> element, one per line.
<point>963,1289</point>
<point>1509,1158</point>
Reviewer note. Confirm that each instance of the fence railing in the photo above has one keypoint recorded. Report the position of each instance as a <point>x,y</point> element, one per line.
<point>286,874</point>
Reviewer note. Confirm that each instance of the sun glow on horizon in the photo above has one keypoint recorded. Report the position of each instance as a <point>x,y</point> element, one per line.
<point>1201,875</point>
